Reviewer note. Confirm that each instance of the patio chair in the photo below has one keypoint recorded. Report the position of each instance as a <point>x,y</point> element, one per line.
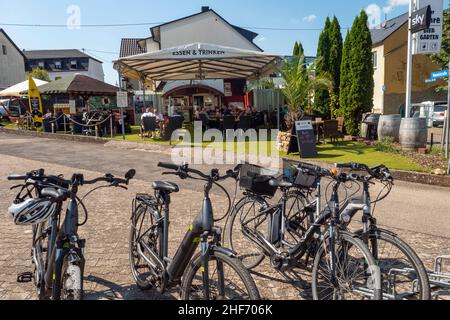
<point>175,123</point>
<point>330,130</point>
<point>245,123</point>
<point>148,125</point>
<point>228,124</point>
<point>205,121</point>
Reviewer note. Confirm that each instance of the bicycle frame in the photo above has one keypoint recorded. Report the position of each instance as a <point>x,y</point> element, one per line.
<point>197,235</point>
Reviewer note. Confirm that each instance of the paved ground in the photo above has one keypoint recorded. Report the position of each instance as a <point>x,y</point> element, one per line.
<point>420,214</point>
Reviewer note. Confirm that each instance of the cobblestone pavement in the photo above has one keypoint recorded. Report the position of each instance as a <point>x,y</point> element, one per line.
<point>107,267</point>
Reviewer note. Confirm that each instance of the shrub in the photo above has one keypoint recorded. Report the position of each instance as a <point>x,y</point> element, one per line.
<point>386,145</point>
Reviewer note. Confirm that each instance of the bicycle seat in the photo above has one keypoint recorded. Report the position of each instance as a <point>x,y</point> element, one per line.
<point>167,187</point>
<point>280,184</point>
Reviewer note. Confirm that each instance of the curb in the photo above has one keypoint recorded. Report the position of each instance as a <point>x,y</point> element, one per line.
<point>55,136</point>
<point>405,176</point>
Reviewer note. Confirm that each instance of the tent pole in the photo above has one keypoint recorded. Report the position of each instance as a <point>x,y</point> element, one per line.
<point>121,111</point>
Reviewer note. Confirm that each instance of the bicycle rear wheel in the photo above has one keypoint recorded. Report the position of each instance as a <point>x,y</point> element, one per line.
<point>247,212</point>
<point>356,275</point>
<point>143,228</point>
<point>404,276</point>
<point>228,280</point>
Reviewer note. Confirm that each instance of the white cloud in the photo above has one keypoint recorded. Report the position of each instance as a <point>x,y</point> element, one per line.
<point>310,18</point>
<point>374,13</point>
<point>392,4</point>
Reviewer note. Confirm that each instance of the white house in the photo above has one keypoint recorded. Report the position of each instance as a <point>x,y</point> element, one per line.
<point>206,26</point>
<point>12,62</point>
<point>62,63</point>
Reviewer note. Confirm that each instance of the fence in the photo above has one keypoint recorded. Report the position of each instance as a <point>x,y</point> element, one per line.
<point>91,128</point>
<point>267,99</point>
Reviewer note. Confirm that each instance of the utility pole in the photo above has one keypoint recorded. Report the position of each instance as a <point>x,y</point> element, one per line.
<point>447,129</point>
<point>412,8</point>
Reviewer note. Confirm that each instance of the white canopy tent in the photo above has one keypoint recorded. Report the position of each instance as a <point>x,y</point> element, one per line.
<point>15,90</point>
<point>197,61</point>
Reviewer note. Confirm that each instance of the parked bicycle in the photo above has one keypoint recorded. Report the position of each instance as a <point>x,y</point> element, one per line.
<point>403,274</point>
<point>213,274</point>
<point>343,267</point>
<point>57,250</point>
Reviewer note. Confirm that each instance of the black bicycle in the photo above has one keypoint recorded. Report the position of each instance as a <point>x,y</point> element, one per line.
<point>213,274</point>
<point>343,266</point>
<point>57,250</point>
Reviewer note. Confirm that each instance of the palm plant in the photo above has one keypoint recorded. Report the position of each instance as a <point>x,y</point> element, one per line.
<point>299,87</point>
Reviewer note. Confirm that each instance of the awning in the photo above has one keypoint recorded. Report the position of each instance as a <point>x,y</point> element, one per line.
<point>20,89</point>
<point>198,61</point>
<point>79,85</point>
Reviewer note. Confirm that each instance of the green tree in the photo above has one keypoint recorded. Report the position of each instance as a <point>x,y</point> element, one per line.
<point>299,87</point>
<point>296,51</point>
<point>322,97</point>
<point>335,63</point>
<point>345,73</point>
<point>41,74</point>
<point>443,57</point>
<point>357,74</point>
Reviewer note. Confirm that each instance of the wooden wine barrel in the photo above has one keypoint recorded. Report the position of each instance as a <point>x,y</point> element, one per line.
<point>413,133</point>
<point>389,127</point>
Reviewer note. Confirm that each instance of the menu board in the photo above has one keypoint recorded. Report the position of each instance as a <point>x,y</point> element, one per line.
<point>306,139</point>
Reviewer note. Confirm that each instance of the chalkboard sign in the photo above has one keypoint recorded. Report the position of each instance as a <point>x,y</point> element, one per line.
<point>306,139</point>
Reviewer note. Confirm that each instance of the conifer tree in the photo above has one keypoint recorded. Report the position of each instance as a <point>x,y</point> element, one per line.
<point>322,97</point>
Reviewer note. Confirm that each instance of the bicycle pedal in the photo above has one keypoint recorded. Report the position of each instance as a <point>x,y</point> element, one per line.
<point>25,277</point>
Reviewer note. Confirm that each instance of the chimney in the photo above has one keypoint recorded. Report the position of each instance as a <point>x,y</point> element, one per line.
<point>205,9</point>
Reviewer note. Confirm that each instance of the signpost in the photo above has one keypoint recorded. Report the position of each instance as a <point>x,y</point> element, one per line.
<point>424,36</point>
<point>122,103</point>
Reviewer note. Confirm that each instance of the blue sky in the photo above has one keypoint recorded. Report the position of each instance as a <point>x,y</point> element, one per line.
<point>246,13</point>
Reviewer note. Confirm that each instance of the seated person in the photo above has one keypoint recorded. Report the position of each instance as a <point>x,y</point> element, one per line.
<point>149,113</point>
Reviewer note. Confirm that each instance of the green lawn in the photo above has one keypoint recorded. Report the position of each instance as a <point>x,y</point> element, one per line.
<point>361,153</point>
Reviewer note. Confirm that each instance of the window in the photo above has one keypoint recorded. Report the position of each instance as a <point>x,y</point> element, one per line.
<point>374,59</point>
<point>4,50</point>
<point>73,64</point>
<point>58,65</point>
<point>41,65</point>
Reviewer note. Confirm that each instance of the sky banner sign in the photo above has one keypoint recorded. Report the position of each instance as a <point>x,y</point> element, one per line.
<point>429,41</point>
<point>35,102</point>
<point>421,19</point>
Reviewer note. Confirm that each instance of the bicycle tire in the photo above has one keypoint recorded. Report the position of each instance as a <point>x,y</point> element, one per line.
<point>234,263</point>
<point>141,212</point>
<point>411,255</point>
<point>76,274</point>
<point>354,241</point>
<point>259,258</point>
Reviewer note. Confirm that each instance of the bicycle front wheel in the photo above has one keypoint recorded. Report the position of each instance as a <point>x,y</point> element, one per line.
<point>228,280</point>
<point>349,273</point>
<point>404,276</point>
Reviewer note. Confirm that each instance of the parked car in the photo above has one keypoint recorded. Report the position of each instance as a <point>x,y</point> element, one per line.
<point>434,112</point>
<point>439,114</point>
<point>12,108</point>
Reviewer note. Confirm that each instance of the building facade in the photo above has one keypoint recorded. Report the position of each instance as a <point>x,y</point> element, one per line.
<point>12,62</point>
<point>390,47</point>
<point>206,26</point>
<point>62,63</point>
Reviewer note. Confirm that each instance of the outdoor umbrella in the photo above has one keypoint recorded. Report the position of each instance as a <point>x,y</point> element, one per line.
<point>20,88</point>
<point>198,61</point>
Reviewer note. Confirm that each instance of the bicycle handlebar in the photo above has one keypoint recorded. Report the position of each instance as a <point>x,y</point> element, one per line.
<point>184,170</point>
<point>380,172</point>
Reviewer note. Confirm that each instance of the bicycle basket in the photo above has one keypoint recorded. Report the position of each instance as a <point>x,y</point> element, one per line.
<point>299,178</point>
<point>256,180</point>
